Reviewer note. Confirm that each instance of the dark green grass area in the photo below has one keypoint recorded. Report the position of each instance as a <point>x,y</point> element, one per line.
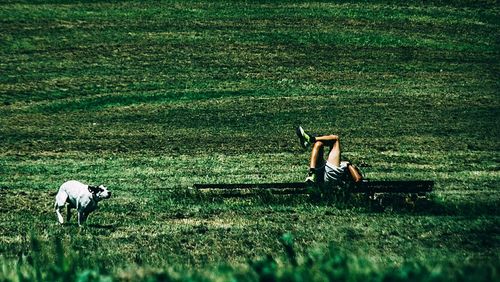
<point>152,97</point>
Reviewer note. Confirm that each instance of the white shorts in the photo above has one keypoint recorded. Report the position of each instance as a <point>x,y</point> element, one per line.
<point>330,175</point>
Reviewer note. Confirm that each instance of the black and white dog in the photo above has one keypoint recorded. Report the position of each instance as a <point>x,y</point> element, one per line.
<point>82,197</point>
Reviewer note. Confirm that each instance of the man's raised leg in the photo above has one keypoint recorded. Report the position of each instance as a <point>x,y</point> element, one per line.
<point>317,160</point>
<point>317,154</point>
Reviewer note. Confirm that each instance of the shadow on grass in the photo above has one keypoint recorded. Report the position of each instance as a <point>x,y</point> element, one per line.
<point>97,226</point>
<point>459,208</point>
<point>109,227</point>
<point>397,203</point>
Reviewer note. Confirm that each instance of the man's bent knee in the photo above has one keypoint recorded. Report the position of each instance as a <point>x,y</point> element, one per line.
<point>318,145</point>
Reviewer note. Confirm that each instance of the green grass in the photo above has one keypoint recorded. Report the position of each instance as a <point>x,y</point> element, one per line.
<point>151,97</point>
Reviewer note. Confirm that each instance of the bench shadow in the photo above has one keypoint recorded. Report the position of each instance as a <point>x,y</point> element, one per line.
<point>395,203</point>
<point>434,207</point>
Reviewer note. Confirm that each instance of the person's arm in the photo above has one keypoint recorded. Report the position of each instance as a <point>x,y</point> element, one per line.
<point>355,173</point>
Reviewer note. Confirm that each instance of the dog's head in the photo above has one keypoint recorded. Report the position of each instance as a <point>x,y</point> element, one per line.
<point>100,192</point>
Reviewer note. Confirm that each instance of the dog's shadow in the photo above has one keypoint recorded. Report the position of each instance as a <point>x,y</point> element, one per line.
<point>109,227</point>
<point>97,226</point>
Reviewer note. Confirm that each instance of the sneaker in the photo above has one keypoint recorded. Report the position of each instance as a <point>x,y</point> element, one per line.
<point>311,176</point>
<point>311,179</point>
<point>304,138</point>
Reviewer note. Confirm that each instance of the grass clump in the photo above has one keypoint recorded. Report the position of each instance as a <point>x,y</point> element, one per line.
<point>329,263</point>
<point>149,97</point>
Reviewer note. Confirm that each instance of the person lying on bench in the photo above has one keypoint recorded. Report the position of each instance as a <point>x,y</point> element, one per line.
<point>332,172</point>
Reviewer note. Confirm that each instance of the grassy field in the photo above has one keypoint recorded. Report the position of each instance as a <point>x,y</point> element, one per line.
<point>151,97</point>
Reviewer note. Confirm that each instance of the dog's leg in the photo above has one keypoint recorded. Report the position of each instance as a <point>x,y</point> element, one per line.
<point>80,218</point>
<point>68,213</point>
<point>58,213</point>
<point>85,216</point>
<point>61,198</point>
